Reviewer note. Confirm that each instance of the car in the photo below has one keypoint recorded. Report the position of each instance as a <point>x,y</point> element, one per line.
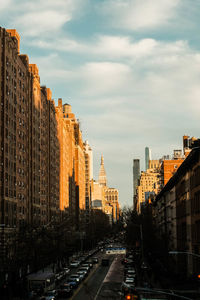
<point>85,269</point>
<point>66,271</point>
<point>49,295</point>
<point>65,292</point>
<point>73,283</point>
<point>86,265</point>
<point>74,264</point>
<point>129,280</point>
<point>82,274</point>
<point>65,285</point>
<point>95,260</point>
<point>90,263</point>
<point>130,272</point>
<point>75,277</point>
<point>58,277</point>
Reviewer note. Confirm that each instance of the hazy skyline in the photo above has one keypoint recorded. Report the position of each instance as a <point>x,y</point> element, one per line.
<point>130,70</point>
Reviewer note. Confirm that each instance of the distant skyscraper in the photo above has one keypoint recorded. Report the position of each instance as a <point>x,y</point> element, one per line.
<point>102,173</point>
<point>136,174</point>
<point>147,157</point>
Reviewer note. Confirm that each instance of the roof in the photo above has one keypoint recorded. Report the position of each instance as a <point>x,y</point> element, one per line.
<point>40,276</point>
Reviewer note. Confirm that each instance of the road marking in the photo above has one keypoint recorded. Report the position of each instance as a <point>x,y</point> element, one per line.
<point>113,262</point>
<point>85,281</point>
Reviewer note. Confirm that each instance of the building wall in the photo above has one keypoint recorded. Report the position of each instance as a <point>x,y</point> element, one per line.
<point>136,174</point>
<point>14,93</point>
<point>178,213</point>
<point>147,157</point>
<point>54,161</point>
<point>170,167</point>
<point>28,139</point>
<point>35,138</point>
<point>64,157</point>
<point>149,182</point>
<point>112,197</point>
<point>88,174</point>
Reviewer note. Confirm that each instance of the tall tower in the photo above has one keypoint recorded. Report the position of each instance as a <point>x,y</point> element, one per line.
<point>147,157</point>
<point>136,174</point>
<point>102,173</point>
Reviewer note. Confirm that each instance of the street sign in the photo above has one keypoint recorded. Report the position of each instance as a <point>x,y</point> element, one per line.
<point>116,250</point>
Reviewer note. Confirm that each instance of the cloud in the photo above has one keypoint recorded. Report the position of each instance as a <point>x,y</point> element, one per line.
<point>114,47</point>
<point>139,14</point>
<point>104,77</point>
<point>4,5</point>
<point>42,17</point>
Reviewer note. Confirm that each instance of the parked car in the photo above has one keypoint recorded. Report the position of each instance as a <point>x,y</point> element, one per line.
<point>66,270</point>
<point>90,263</point>
<point>49,295</point>
<point>74,264</point>
<point>85,269</point>
<point>131,272</point>
<point>65,292</point>
<point>72,282</point>
<point>86,265</point>
<point>82,274</point>
<point>76,277</point>
<point>95,260</point>
<point>129,280</point>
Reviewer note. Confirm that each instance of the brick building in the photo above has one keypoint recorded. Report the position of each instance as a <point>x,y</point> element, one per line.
<point>29,144</point>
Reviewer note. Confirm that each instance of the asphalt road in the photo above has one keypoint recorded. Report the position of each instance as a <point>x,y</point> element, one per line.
<point>104,282</point>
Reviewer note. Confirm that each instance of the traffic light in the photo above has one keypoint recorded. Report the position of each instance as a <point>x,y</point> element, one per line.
<point>131,297</point>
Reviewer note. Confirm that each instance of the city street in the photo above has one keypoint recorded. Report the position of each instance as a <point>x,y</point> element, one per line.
<point>103,281</point>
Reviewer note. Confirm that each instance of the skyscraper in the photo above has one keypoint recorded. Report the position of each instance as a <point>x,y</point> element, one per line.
<point>136,176</point>
<point>147,157</point>
<point>102,173</point>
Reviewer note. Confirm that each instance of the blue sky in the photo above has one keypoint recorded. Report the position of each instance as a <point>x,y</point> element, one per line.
<point>129,68</point>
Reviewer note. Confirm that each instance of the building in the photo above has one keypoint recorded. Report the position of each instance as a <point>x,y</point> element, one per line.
<point>105,198</point>
<point>149,182</point>
<point>136,177</point>
<point>170,166</point>
<point>14,155</point>
<point>102,173</point>
<point>72,162</point>
<point>112,198</point>
<point>147,157</point>
<point>88,176</point>
<point>189,143</point>
<point>177,214</point>
<point>54,162</point>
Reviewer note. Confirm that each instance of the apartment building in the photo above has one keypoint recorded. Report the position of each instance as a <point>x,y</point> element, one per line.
<point>14,94</point>
<point>177,214</point>
<point>29,145</point>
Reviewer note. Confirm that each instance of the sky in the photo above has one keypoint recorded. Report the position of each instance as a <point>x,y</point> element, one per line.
<point>129,68</point>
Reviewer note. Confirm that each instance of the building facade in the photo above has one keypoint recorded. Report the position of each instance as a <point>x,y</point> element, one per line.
<point>105,198</point>
<point>88,177</point>
<point>177,214</point>
<point>147,157</point>
<point>136,177</point>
